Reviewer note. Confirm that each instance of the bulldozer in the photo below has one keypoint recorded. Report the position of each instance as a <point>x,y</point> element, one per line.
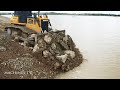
<point>24,25</point>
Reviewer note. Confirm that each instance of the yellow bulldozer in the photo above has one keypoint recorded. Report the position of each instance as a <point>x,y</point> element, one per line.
<point>25,18</point>
<point>24,24</point>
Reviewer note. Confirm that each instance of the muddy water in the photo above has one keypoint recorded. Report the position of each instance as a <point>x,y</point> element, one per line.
<point>98,38</point>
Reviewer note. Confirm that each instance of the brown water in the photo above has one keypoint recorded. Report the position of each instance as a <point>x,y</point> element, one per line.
<point>98,38</point>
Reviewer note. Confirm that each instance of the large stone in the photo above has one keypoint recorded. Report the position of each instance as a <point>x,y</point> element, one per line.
<point>65,67</point>
<point>64,45</point>
<point>70,43</point>
<point>45,32</point>
<point>55,38</point>
<point>56,65</point>
<point>53,46</point>
<point>41,44</point>
<point>26,43</point>
<point>48,38</point>
<point>46,53</point>
<point>62,58</point>
<point>32,39</point>
<point>16,38</point>
<point>33,36</point>
<point>65,38</point>
<point>71,53</point>
<point>59,49</point>
<point>56,48</point>
<point>36,48</point>
<point>51,51</point>
<point>2,48</point>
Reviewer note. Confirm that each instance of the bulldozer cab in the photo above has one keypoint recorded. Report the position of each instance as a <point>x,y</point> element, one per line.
<point>20,17</point>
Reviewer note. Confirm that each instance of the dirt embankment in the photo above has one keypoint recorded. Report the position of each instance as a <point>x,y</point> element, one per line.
<point>54,53</point>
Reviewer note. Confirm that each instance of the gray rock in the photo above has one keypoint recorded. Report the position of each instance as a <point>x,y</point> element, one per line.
<point>21,44</point>
<point>65,38</point>
<point>35,36</point>
<point>59,49</point>
<point>2,48</point>
<point>70,43</point>
<point>16,38</point>
<point>56,65</point>
<point>48,39</point>
<point>69,52</point>
<point>65,68</point>
<point>62,58</point>
<point>41,43</point>
<point>51,51</point>
<point>53,46</point>
<point>25,43</point>
<point>36,48</point>
<point>46,53</point>
<point>34,77</point>
<point>64,45</point>
<point>45,32</point>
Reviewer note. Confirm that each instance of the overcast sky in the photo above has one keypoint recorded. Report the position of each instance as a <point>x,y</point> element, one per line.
<point>105,12</point>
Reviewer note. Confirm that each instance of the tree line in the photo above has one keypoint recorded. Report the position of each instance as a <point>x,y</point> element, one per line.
<point>77,14</point>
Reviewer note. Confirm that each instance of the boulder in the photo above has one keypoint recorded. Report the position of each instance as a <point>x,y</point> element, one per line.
<point>69,52</point>
<point>57,65</point>
<point>65,38</point>
<point>41,44</point>
<point>53,46</point>
<point>62,58</point>
<point>46,53</point>
<point>36,48</point>
<point>2,48</point>
<point>64,45</point>
<point>48,38</point>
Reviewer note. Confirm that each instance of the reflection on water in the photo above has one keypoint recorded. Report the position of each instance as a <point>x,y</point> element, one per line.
<point>98,39</point>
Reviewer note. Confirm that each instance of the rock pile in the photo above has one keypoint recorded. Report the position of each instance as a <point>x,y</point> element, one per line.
<point>58,48</point>
<point>54,52</point>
